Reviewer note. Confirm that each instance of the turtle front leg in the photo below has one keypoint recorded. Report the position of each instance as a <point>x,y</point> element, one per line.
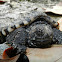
<point>57,34</point>
<point>18,39</point>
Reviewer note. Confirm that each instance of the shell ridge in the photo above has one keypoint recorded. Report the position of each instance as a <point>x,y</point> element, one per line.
<point>29,18</point>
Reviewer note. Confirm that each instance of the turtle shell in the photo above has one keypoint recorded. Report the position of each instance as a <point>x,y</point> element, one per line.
<point>12,18</point>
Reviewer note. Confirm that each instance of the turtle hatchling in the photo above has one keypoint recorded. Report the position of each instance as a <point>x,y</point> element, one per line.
<point>27,27</point>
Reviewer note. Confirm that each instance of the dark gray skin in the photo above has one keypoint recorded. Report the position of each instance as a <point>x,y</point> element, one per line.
<point>38,34</point>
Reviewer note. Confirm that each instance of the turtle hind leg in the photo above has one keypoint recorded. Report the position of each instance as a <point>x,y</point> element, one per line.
<point>18,39</point>
<point>57,36</point>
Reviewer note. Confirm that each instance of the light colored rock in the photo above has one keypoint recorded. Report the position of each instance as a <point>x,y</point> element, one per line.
<point>55,10</point>
<point>10,16</point>
<point>3,47</point>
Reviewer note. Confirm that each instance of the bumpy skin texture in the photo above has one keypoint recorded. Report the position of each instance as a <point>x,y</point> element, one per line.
<point>18,39</point>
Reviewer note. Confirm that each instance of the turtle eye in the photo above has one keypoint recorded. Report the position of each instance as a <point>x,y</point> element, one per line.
<point>40,33</point>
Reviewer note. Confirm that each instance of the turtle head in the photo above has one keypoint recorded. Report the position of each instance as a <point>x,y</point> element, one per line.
<point>40,35</point>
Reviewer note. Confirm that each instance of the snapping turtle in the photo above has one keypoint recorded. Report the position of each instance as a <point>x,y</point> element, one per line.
<point>36,30</point>
<point>29,28</point>
<point>39,31</point>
